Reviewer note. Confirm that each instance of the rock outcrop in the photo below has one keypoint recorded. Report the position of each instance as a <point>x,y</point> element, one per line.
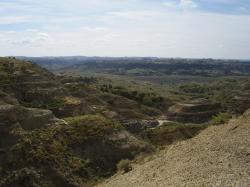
<point>28,118</point>
<point>139,126</point>
<point>18,117</point>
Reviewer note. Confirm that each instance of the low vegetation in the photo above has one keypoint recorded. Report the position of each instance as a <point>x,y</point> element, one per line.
<point>221,118</point>
<point>149,99</point>
<point>231,93</point>
<point>62,154</point>
<point>124,166</point>
<point>171,132</point>
<point>106,121</point>
<point>145,66</point>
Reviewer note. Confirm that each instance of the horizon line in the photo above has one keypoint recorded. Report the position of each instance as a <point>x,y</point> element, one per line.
<point>156,57</point>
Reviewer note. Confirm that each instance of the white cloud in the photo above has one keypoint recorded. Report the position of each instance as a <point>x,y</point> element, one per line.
<point>28,37</point>
<point>180,5</point>
<point>9,6</point>
<point>170,4</point>
<point>171,34</point>
<point>188,4</point>
<point>221,1</point>
<point>134,15</point>
<point>13,19</point>
<point>170,28</point>
<point>40,36</point>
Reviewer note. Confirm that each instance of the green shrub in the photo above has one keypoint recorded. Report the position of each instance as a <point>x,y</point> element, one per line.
<point>194,88</point>
<point>27,177</point>
<point>90,126</point>
<point>221,118</point>
<point>124,166</point>
<point>150,99</point>
<point>56,103</point>
<point>50,104</point>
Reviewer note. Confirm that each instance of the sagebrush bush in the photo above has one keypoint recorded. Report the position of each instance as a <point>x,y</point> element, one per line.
<point>221,118</point>
<point>124,166</point>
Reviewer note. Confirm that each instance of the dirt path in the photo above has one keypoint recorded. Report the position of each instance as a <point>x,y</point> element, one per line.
<point>161,122</point>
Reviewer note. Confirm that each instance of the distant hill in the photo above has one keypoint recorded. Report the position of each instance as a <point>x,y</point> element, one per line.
<point>55,63</point>
<point>147,66</point>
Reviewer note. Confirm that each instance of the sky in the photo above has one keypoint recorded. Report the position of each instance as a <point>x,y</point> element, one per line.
<point>159,28</point>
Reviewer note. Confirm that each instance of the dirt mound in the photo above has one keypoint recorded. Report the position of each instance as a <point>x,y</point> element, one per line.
<point>218,156</point>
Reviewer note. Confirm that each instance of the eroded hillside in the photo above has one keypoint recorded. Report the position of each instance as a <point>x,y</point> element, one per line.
<point>73,131</point>
<point>218,156</point>
<point>39,149</point>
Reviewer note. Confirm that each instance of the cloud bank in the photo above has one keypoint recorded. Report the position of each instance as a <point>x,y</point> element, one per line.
<point>164,28</point>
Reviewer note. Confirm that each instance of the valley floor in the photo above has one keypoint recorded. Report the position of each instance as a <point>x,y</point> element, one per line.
<point>218,156</point>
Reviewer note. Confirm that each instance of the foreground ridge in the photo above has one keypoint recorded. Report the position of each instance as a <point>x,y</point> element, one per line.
<point>218,156</point>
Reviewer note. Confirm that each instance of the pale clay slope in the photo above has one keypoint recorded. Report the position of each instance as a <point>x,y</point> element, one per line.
<point>218,156</point>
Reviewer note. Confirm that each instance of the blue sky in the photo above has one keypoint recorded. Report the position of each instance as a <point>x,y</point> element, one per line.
<point>164,28</point>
